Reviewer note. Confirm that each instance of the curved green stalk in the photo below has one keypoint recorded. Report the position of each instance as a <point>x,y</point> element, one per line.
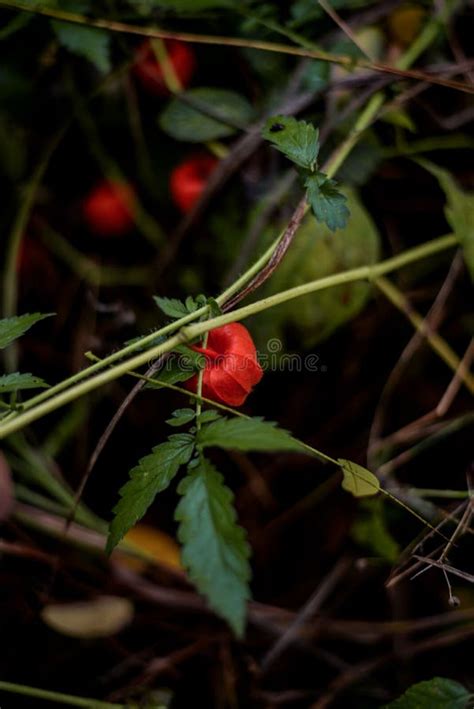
<point>34,409</point>
<point>58,697</point>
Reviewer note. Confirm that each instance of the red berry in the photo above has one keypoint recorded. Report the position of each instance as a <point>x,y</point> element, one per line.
<point>109,208</point>
<point>232,368</point>
<point>188,180</point>
<point>150,72</point>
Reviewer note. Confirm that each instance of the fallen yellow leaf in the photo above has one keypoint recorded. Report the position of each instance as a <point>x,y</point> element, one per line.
<point>153,543</point>
<point>98,618</point>
<point>405,23</point>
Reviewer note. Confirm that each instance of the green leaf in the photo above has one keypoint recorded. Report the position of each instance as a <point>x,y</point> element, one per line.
<point>215,551</point>
<point>371,532</point>
<point>90,43</point>
<point>13,328</point>
<point>436,693</point>
<point>18,22</point>
<point>399,117</point>
<point>180,417</point>
<point>214,308</point>
<point>327,203</point>
<point>362,161</point>
<point>16,381</point>
<point>244,434</point>
<point>316,76</point>
<point>298,140</point>
<point>175,308</point>
<point>221,109</point>
<point>191,304</point>
<point>13,148</point>
<point>181,366</point>
<point>357,480</point>
<point>316,253</point>
<point>172,307</point>
<point>153,474</point>
<point>209,415</point>
<point>459,210</point>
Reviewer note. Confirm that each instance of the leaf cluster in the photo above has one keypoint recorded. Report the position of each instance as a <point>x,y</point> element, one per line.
<point>299,142</point>
<point>10,330</point>
<point>215,551</point>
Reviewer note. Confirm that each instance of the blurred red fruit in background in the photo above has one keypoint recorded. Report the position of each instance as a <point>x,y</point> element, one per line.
<point>188,180</point>
<point>109,209</point>
<point>150,73</point>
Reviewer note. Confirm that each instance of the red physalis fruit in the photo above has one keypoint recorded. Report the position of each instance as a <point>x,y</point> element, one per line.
<point>149,71</point>
<point>109,209</point>
<point>232,368</point>
<point>188,180</point>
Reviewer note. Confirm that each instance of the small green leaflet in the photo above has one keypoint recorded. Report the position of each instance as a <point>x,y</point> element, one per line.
<point>214,308</point>
<point>436,693</point>
<point>209,415</point>
<point>153,474</point>
<point>180,417</point>
<point>204,113</point>
<point>327,203</point>
<point>357,480</point>
<point>215,551</point>
<point>16,381</point>
<point>459,210</point>
<point>371,532</point>
<point>298,140</point>
<point>15,24</point>
<point>247,435</point>
<point>175,308</point>
<point>181,366</point>
<point>13,328</point>
<point>172,307</point>
<point>90,43</point>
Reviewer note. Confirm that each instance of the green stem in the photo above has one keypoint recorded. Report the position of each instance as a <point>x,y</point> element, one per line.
<point>199,388</point>
<point>58,697</point>
<point>199,399</point>
<point>10,275</point>
<point>446,494</point>
<point>437,343</point>
<point>33,411</point>
<point>425,145</point>
<point>422,42</point>
<point>148,339</point>
<point>90,271</point>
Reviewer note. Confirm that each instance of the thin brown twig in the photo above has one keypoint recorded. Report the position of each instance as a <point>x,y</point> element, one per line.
<point>428,424</point>
<point>262,45</point>
<point>446,567</point>
<point>434,318</point>
<point>102,442</point>
<point>358,672</point>
<point>346,29</point>
<point>276,258</point>
<point>397,577</point>
<point>455,383</point>
<point>309,609</point>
